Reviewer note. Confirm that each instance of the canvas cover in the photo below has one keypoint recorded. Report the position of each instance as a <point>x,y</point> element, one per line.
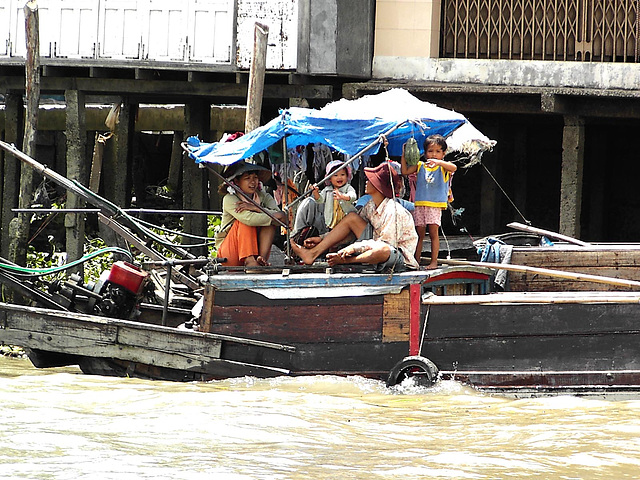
<point>350,126</point>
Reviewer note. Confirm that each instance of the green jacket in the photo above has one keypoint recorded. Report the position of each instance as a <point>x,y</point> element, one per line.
<point>253,219</point>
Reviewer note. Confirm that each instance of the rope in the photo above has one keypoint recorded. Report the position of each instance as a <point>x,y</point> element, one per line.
<point>395,206</point>
<point>505,194</point>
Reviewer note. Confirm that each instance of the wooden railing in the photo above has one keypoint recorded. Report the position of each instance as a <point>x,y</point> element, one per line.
<point>559,30</point>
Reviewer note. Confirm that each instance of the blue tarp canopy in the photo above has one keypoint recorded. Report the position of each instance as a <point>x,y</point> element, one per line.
<point>350,126</point>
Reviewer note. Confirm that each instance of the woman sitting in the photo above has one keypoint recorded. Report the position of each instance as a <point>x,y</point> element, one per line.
<point>247,232</point>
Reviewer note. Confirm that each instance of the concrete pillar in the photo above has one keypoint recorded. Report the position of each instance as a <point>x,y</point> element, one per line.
<point>116,164</point>
<point>76,170</point>
<point>14,125</point>
<point>572,168</point>
<point>194,179</point>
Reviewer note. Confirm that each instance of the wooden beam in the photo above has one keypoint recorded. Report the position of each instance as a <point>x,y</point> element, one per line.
<point>256,77</point>
<point>171,89</point>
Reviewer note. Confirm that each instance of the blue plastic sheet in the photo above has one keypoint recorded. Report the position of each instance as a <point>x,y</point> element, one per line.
<point>349,126</point>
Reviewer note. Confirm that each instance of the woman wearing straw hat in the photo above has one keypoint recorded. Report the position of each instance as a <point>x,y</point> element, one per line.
<point>385,230</point>
<point>246,234</point>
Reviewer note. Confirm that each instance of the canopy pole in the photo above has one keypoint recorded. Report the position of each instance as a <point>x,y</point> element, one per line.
<point>285,198</point>
<point>347,162</point>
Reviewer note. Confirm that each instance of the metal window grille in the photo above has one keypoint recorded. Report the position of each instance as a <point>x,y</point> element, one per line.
<point>560,30</point>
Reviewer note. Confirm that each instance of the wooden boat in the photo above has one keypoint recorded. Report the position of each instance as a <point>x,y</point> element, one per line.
<point>531,248</point>
<point>426,325</point>
<point>388,327</point>
<point>260,325</point>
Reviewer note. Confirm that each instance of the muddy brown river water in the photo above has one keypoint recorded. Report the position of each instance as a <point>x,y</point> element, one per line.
<point>60,424</point>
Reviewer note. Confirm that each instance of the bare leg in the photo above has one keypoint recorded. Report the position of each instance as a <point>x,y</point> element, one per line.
<point>265,240</point>
<point>377,254</point>
<point>435,245</point>
<point>351,224</point>
<point>422,231</point>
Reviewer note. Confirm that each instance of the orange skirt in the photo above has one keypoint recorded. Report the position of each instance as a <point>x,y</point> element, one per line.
<point>241,242</point>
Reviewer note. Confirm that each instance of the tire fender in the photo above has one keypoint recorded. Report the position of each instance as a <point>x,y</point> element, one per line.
<point>414,366</point>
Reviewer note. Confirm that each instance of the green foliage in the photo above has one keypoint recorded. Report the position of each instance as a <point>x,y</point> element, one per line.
<point>94,267</point>
<point>213,225</point>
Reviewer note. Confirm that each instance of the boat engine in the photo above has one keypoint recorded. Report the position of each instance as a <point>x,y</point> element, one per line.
<point>116,294</point>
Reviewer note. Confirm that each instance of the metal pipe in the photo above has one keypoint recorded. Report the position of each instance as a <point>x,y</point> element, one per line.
<point>344,164</point>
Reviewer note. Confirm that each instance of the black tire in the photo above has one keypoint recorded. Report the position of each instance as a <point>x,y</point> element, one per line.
<point>421,369</point>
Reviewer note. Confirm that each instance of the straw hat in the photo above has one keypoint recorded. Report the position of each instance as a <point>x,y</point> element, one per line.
<point>237,169</point>
<point>381,178</point>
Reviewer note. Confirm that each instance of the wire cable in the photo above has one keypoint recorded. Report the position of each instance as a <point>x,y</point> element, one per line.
<point>50,270</point>
<point>505,194</point>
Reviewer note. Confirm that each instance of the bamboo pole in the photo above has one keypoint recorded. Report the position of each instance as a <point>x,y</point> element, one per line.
<point>546,271</point>
<point>547,233</point>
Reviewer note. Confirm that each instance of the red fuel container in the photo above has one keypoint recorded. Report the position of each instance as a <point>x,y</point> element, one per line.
<point>128,276</point>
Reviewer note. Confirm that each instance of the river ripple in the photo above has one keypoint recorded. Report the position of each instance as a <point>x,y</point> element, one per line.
<point>60,424</point>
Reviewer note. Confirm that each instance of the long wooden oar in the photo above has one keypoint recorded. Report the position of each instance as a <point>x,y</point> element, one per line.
<point>546,271</point>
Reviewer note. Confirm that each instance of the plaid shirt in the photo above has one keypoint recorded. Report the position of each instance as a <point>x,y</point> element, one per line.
<point>393,224</point>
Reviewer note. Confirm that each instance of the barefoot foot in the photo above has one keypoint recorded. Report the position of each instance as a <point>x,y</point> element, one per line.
<point>262,262</point>
<point>305,255</point>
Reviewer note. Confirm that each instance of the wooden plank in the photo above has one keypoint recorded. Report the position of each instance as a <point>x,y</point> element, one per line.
<point>539,284</point>
<point>238,282</point>
<point>206,318</point>
<point>300,323</point>
<point>395,317</point>
<point>106,339</point>
<point>552,258</point>
<point>523,320</point>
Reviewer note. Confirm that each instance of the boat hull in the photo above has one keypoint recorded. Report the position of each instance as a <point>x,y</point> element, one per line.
<point>523,343</point>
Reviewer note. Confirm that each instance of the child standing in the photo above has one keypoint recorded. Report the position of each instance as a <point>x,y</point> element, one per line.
<point>326,208</point>
<point>432,192</point>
